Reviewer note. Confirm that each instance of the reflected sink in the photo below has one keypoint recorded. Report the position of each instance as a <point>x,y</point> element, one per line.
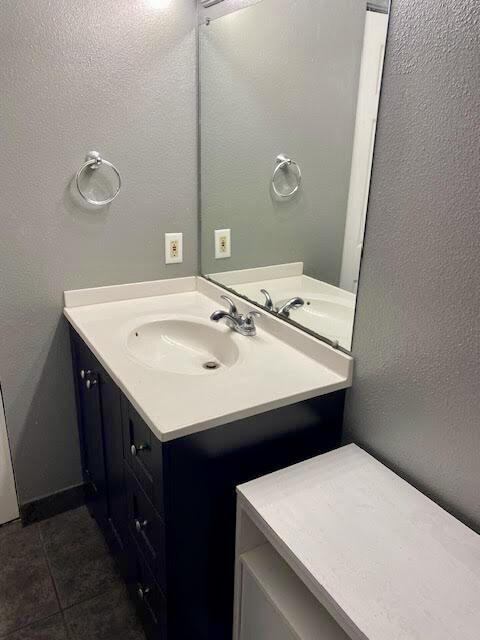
<point>182,346</point>
<point>327,309</point>
<point>323,308</point>
<point>328,317</point>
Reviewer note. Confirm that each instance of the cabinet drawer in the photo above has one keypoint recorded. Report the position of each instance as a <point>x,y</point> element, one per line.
<point>147,595</point>
<point>143,452</point>
<point>146,527</point>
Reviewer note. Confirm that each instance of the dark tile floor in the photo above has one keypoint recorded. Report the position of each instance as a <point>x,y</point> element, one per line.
<point>58,582</point>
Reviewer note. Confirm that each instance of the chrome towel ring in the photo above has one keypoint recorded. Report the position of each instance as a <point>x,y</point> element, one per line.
<point>283,162</point>
<point>93,161</point>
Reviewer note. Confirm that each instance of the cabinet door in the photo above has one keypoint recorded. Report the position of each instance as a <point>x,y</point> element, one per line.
<point>111,418</point>
<point>91,436</point>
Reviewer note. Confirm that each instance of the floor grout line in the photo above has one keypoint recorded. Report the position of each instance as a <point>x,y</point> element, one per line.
<point>30,624</point>
<point>44,547</point>
<point>42,541</point>
<point>67,626</point>
<point>42,618</point>
<point>62,609</point>
<point>83,601</point>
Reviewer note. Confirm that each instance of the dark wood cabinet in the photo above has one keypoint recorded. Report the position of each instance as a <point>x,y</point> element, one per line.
<point>91,432</point>
<point>111,420</point>
<point>146,527</point>
<point>99,410</point>
<point>168,509</point>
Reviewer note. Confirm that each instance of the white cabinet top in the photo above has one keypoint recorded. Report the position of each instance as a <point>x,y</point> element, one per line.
<point>386,561</point>
<point>156,338</point>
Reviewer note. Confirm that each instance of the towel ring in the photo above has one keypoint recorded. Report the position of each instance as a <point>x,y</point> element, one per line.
<point>93,162</point>
<point>282,162</point>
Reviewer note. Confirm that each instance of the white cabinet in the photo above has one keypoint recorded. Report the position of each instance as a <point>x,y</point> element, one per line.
<point>276,605</point>
<point>340,539</point>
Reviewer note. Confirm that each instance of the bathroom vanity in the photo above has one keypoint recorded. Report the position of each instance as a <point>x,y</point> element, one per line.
<point>166,437</point>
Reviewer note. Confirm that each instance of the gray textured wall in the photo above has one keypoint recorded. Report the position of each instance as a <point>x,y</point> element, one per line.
<point>415,399</point>
<point>279,77</point>
<point>117,75</point>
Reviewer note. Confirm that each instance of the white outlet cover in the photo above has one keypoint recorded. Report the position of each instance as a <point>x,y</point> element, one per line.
<point>223,250</point>
<point>173,238</point>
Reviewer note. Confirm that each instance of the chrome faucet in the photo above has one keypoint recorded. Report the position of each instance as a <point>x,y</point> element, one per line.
<point>284,310</point>
<point>243,324</point>
<point>268,300</point>
<point>294,303</point>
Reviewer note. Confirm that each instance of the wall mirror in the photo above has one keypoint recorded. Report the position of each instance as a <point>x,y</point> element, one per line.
<point>289,93</point>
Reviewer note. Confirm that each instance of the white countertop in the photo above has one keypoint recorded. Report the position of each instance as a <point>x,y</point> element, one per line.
<point>277,367</point>
<point>386,561</point>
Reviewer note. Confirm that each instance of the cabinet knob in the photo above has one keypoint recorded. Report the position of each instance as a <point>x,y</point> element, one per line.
<point>139,525</point>
<point>134,450</point>
<point>89,383</point>
<point>142,592</point>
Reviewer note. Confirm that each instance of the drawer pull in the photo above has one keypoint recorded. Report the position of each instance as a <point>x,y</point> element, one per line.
<point>142,592</point>
<point>134,450</point>
<point>140,525</point>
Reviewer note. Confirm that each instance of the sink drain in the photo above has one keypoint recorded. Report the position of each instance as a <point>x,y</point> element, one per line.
<point>211,365</point>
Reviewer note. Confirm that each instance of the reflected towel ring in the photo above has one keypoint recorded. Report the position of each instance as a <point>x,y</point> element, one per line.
<point>93,162</point>
<point>283,162</point>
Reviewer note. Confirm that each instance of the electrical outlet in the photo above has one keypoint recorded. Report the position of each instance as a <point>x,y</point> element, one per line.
<point>223,245</point>
<point>173,248</point>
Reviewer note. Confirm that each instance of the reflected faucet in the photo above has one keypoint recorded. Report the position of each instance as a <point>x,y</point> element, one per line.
<point>268,300</point>
<point>294,303</point>
<point>243,324</point>
<point>284,310</point>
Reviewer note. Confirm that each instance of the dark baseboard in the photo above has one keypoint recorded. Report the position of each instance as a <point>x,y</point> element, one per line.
<point>52,505</point>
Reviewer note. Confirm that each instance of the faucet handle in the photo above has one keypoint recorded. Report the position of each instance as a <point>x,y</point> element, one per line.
<point>232,307</point>
<point>268,299</point>
<point>250,317</point>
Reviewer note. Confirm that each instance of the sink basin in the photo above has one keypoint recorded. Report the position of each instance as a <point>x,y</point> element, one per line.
<point>182,346</point>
